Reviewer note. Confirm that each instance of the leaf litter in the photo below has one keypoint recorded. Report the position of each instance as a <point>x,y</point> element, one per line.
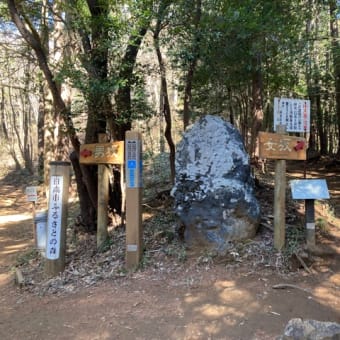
<point>165,254</point>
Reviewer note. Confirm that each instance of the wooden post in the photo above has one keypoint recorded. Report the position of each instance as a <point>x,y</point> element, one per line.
<point>32,196</point>
<point>280,199</point>
<point>103,199</point>
<point>122,186</point>
<point>34,226</point>
<point>310,223</point>
<point>57,218</point>
<point>134,233</point>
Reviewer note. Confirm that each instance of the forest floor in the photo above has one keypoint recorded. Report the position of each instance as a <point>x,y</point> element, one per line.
<point>176,293</point>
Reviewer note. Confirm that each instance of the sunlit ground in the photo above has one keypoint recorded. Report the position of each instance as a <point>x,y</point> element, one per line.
<point>14,218</point>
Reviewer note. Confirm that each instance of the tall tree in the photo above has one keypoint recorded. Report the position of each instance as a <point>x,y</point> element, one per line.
<point>334,30</point>
<point>192,61</point>
<point>164,96</point>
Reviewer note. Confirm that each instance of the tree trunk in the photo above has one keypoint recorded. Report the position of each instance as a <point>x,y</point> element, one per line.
<point>32,38</point>
<point>257,106</point>
<point>336,61</point>
<point>320,119</point>
<point>231,109</point>
<point>122,121</point>
<point>192,67</point>
<point>165,98</point>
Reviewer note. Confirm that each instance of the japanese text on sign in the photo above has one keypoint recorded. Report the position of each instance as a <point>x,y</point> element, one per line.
<point>133,163</point>
<point>277,146</point>
<point>102,153</point>
<point>281,145</point>
<point>293,113</point>
<point>54,218</point>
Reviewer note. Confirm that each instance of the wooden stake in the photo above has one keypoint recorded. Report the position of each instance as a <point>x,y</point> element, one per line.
<point>122,186</point>
<point>134,233</point>
<point>310,223</point>
<point>57,218</point>
<point>280,199</point>
<point>34,226</point>
<point>103,199</point>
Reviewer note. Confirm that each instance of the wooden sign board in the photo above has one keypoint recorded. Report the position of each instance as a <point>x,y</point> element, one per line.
<point>309,189</point>
<point>278,146</point>
<point>102,153</point>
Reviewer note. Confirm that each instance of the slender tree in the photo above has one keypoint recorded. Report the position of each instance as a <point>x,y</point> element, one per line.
<point>164,96</point>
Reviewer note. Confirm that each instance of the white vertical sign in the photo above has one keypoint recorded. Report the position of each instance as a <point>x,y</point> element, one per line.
<point>293,113</point>
<point>54,218</point>
<point>133,163</point>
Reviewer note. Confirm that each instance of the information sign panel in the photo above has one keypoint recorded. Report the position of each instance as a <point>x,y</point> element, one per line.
<point>293,113</point>
<point>309,189</point>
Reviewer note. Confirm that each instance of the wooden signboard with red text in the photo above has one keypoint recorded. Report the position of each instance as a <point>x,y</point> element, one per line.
<point>280,146</point>
<point>102,153</point>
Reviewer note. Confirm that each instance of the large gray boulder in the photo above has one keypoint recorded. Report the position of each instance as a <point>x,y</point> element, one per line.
<point>213,189</point>
<point>298,329</point>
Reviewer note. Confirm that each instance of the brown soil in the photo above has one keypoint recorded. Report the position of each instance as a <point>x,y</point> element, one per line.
<point>211,299</point>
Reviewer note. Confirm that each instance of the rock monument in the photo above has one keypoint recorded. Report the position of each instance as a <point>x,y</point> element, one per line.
<point>213,189</point>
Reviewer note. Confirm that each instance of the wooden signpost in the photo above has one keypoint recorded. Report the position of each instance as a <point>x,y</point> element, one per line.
<point>104,153</point>
<point>133,171</point>
<point>103,195</point>
<point>290,115</point>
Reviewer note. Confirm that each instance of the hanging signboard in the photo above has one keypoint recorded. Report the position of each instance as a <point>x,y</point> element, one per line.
<point>102,153</point>
<point>293,113</point>
<point>277,146</point>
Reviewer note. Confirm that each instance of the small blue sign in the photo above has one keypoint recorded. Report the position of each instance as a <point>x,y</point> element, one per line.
<point>132,164</point>
<point>132,179</point>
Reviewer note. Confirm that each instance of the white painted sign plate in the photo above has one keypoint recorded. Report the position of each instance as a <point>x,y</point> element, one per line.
<point>31,194</point>
<point>293,113</point>
<point>304,189</point>
<point>54,218</point>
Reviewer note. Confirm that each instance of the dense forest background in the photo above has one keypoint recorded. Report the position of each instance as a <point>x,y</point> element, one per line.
<point>71,69</point>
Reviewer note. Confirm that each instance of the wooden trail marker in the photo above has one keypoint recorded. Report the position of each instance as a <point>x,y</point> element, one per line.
<point>281,146</point>
<point>113,153</point>
<point>57,218</point>
<point>32,196</point>
<point>280,199</point>
<point>103,197</point>
<point>133,171</point>
<point>291,115</point>
<point>102,152</point>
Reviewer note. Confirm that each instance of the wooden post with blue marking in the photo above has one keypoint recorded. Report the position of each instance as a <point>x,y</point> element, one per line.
<point>133,173</point>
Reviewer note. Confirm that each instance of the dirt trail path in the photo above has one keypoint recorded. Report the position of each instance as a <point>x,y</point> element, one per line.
<point>193,302</point>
